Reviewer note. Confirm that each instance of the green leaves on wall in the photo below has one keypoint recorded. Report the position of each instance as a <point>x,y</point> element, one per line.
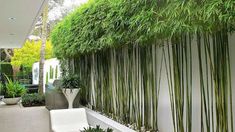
<point>103,24</point>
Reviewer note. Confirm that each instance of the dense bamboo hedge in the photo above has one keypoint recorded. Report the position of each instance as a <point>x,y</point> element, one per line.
<point>214,70</point>
<point>215,81</point>
<point>123,83</point>
<point>178,62</point>
<point>119,48</point>
<point>103,24</point>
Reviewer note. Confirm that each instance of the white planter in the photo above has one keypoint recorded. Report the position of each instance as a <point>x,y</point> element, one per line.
<point>70,95</point>
<point>11,101</point>
<point>95,118</point>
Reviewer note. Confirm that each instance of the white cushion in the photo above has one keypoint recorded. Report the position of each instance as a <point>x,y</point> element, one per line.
<point>68,120</point>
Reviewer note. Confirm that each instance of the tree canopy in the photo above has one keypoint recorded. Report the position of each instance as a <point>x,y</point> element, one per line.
<point>102,24</point>
<point>30,53</point>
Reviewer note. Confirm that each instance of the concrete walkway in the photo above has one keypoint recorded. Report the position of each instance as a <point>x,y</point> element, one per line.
<point>16,118</point>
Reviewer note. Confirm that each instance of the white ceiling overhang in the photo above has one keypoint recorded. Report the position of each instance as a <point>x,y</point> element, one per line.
<point>17,19</point>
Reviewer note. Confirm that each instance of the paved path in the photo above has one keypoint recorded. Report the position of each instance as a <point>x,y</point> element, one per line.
<point>15,118</point>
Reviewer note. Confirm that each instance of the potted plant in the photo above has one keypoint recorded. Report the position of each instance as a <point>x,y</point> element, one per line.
<point>13,92</point>
<point>70,87</point>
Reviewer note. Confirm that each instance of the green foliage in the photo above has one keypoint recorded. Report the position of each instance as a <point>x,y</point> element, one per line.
<point>1,89</point>
<point>103,24</point>
<point>176,17</point>
<point>109,24</point>
<point>122,83</point>
<point>51,72</point>
<point>71,81</point>
<point>97,129</point>
<point>14,89</point>
<point>47,78</point>
<point>30,53</point>
<point>33,100</point>
<point>133,70</point>
<point>56,72</point>
<point>6,69</point>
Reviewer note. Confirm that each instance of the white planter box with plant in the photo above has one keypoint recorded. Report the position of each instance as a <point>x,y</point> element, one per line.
<point>71,87</point>
<point>12,91</point>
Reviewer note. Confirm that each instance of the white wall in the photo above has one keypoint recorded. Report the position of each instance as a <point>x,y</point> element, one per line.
<point>50,63</point>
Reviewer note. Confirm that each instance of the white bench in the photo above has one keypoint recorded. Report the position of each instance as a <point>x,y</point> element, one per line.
<point>68,120</point>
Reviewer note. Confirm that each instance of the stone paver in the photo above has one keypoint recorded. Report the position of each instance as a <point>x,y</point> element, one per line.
<point>16,118</point>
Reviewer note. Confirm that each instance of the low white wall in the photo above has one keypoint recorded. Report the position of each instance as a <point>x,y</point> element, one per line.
<point>95,119</point>
<point>51,68</point>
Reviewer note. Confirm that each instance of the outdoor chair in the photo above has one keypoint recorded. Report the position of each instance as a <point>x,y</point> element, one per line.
<point>68,120</point>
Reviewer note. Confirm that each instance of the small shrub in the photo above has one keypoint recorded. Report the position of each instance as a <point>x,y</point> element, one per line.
<point>13,89</point>
<point>71,81</point>
<point>33,100</point>
<point>97,129</point>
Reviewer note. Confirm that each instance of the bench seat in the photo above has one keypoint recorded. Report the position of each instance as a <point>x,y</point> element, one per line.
<point>68,120</point>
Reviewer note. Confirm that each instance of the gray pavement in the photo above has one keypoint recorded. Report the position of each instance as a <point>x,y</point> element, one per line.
<point>16,118</point>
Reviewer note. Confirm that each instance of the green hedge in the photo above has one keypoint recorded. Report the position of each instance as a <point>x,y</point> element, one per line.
<point>29,100</point>
<point>103,24</point>
<point>6,68</point>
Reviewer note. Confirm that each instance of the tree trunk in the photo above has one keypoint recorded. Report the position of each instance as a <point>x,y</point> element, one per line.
<point>42,51</point>
<point>15,69</point>
<point>9,54</point>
